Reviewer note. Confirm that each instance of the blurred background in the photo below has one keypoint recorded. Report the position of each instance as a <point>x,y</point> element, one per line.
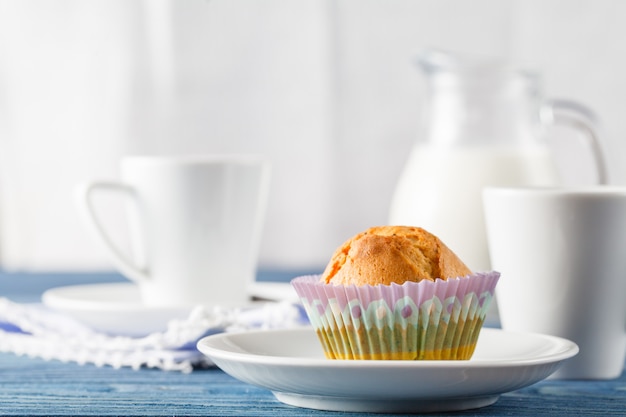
<point>327,89</point>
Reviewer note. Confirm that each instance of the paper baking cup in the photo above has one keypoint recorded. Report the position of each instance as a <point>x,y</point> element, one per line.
<point>438,319</point>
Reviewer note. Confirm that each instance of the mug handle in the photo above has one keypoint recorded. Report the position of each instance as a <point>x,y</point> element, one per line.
<point>85,205</point>
<point>579,117</point>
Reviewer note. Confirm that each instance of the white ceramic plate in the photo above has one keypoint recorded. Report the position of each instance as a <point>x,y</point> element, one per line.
<point>116,308</point>
<point>273,291</point>
<point>113,308</point>
<point>291,364</point>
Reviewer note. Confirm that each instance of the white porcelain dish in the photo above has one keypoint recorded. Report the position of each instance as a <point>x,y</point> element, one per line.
<point>113,308</point>
<point>291,364</point>
<point>273,291</point>
<point>116,308</point>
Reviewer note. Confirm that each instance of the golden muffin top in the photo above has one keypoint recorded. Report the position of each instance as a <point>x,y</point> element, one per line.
<point>386,254</point>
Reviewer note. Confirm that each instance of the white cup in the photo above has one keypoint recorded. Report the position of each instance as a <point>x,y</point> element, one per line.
<point>562,256</point>
<point>195,226</point>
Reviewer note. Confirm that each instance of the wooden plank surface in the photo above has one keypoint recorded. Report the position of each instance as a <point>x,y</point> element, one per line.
<point>36,387</point>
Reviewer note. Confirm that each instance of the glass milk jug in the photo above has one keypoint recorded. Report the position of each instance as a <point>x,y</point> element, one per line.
<point>484,127</point>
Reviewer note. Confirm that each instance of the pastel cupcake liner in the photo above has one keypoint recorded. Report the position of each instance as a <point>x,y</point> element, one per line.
<point>438,319</point>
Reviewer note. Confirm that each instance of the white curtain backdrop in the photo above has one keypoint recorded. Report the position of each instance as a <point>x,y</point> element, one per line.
<point>325,88</point>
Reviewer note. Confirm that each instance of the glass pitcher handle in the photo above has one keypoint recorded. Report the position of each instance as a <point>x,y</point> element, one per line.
<point>579,117</point>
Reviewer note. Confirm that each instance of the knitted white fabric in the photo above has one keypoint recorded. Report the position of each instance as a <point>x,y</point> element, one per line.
<point>36,331</point>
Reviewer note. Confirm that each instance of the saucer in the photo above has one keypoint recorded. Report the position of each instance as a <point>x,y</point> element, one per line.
<point>273,291</point>
<point>291,364</point>
<point>116,308</point>
<point>113,308</point>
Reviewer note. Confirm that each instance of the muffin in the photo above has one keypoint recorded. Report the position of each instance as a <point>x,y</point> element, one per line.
<point>396,292</point>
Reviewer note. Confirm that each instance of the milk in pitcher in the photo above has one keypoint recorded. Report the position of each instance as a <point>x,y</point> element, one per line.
<point>484,125</point>
<point>440,190</point>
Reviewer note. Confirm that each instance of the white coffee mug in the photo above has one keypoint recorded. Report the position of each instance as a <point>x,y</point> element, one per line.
<point>195,226</point>
<point>562,256</point>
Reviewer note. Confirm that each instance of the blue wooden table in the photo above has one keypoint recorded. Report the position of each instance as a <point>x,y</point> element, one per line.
<point>36,387</point>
